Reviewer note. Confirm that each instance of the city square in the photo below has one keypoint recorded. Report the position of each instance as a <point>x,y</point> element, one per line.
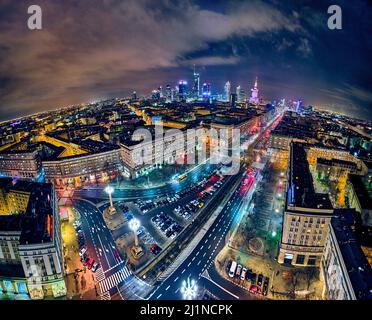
<point>204,152</point>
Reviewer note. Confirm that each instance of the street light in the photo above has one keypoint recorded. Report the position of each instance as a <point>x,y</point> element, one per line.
<point>134,225</point>
<point>136,250</point>
<point>189,289</point>
<point>273,234</point>
<point>110,190</point>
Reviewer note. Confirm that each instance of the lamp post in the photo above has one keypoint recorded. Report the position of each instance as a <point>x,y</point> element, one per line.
<point>136,250</point>
<point>189,289</point>
<point>134,225</point>
<point>110,190</point>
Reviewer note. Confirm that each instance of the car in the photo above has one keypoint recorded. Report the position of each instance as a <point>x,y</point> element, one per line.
<point>254,289</point>
<point>116,254</point>
<point>89,263</point>
<point>259,280</point>
<point>232,269</point>
<point>94,266</point>
<point>155,249</point>
<point>82,251</point>
<point>265,286</point>
<point>253,278</point>
<point>244,271</point>
<point>238,270</point>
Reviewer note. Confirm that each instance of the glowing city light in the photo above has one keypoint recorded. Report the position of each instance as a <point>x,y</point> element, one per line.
<point>189,289</point>
<point>134,224</point>
<point>109,190</point>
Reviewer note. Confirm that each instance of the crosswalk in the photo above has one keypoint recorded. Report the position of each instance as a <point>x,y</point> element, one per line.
<point>100,275</point>
<point>110,282</point>
<point>105,296</point>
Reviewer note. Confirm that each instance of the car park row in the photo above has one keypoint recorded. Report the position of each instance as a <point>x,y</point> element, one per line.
<point>257,284</point>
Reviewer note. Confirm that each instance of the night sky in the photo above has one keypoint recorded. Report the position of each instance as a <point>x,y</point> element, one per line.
<point>94,49</point>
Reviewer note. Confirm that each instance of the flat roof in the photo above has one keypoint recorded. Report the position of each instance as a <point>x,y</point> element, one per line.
<point>356,263</point>
<point>361,191</point>
<point>300,190</point>
<point>36,224</point>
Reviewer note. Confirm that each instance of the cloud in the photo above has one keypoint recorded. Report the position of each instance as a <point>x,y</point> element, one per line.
<point>89,48</point>
<point>304,47</point>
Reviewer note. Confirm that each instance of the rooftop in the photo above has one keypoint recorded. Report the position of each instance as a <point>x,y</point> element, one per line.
<point>36,224</point>
<point>357,266</point>
<point>301,191</point>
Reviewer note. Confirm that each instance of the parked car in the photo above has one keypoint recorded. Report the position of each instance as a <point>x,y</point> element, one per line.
<point>94,266</point>
<point>259,280</point>
<point>244,271</point>
<point>265,286</point>
<point>238,270</point>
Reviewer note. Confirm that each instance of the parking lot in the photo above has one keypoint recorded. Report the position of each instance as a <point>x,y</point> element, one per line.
<point>254,282</point>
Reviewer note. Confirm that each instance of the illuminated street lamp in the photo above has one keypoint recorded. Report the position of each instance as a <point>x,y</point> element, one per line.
<point>136,250</point>
<point>134,225</point>
<point>273,234</point>
<point>189,289</point>
<point>110,190</point>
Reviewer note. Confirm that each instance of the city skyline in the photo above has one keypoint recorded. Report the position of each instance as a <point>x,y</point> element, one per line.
<point>210,152</point>
<point>288,46</point>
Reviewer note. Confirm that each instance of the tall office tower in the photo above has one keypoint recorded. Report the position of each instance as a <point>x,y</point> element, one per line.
<point>160,89</point>
<point>174,93</point>
<point>238,92</point>
<point>168,93</point>
<point>254,95</point>
<point>242,97</point>
<point>155,94</point>
<point>299,106</point>
<point>232,100</point>
<point>182,90</point>
<point>206,91</point>
<point>196,85</point>
<point>134,95</point>
<point>227,91</point>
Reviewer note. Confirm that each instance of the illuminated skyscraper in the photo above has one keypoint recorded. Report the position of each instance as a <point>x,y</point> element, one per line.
<point>254,95</point>
<point>206,91</point>
<point>160,89</point>
<point>155,94</point>
<point>168,93</point>
<point>227,91</point>
<point>134,95</point>
<point>238,91</point>
<point>299,106</point>
<point>182,90</point>
<point>196,85</point>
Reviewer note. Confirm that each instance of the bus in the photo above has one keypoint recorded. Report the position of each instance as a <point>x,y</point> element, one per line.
<point>232,269</point>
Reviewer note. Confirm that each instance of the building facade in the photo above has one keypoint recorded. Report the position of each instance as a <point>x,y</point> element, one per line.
<point>31,256</point>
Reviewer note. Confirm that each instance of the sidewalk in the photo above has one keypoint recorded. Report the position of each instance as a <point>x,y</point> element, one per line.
<point>79,285</point>
<point>286,282</point>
